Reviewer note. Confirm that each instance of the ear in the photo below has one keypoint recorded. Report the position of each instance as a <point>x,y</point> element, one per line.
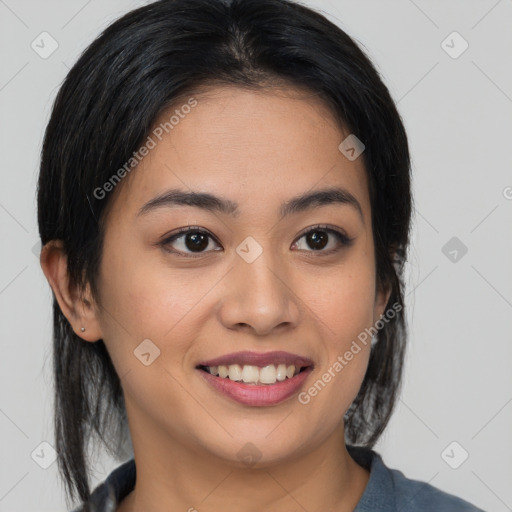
<point>383,292</point>
<point>80,311</point>
<point>381,300</point>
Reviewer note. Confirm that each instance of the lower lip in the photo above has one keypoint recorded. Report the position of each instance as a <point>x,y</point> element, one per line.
<point>257,395</point>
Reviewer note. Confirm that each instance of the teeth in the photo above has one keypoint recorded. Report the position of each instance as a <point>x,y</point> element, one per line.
<point>253,374</point>
<point>250,374</point>
<point>235,372</point>
<point>281,372</point>
<point>268,374</point>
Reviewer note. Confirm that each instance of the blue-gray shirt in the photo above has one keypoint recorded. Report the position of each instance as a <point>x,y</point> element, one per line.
<point>387,490</point>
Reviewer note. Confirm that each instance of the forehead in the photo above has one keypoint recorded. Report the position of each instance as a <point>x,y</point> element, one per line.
<point>257,147</point>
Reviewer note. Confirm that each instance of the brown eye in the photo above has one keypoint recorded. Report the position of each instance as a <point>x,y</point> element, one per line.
<point>319,237</point>
<point>192,241</point>
<point>189,241</point>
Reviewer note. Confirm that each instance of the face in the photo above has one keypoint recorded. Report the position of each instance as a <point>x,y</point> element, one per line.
<point>281,280</point>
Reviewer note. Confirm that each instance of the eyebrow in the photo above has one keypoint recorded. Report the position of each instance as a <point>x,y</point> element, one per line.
<point>212,203</point>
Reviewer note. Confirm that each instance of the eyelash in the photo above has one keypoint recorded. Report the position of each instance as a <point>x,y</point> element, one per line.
<point>343,240</point>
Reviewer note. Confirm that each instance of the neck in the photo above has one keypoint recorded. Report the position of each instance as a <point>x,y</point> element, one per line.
<point>170,478</point>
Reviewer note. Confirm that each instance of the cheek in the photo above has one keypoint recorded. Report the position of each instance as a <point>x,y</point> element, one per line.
<point>343,299</point>
<point>146,299</point>
<point>343,304</point>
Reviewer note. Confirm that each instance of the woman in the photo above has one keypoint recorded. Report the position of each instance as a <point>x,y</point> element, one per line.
<point>224,203</point>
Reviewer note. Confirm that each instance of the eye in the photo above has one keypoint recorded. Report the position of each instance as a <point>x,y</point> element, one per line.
<point>318,238</point>
<point>191,239</point>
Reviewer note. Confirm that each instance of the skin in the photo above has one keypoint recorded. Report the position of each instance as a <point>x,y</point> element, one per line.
<point>259,149</point>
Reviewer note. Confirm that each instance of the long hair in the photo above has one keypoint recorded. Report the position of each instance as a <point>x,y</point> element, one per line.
<point>105,109</point>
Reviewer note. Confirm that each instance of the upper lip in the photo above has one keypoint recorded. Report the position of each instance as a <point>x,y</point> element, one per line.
<point>259,359</point>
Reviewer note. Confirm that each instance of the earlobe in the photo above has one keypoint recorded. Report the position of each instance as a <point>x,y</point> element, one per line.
<point>381,301</point>
<point>383,291</point>
<point>78,310</point>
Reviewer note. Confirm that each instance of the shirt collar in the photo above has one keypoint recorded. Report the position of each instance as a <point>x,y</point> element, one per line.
<point>379,491</point>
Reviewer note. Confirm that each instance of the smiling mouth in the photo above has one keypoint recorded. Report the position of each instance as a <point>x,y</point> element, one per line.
<point>254,375</point>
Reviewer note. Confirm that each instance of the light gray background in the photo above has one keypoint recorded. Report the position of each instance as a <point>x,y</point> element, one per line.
<point>458,113</point>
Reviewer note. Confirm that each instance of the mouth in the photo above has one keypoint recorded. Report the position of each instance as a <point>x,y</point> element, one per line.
<point>257,379</point>
<point>254,375</point>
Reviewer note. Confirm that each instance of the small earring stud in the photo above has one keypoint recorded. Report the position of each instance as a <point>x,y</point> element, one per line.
<point>82,329</point>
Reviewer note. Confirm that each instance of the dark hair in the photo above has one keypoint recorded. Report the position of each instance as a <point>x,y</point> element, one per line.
<point>105,109</point>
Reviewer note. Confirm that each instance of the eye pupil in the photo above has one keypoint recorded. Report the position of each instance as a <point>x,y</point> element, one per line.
<point>199,241</point>
<point>317,239</point>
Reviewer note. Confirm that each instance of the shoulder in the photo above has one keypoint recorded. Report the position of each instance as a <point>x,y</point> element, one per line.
<point>108,494</point>
<point>389,490</point>
<point>421,496</point>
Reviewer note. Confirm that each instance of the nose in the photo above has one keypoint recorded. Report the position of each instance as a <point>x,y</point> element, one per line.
<point>259,297</point>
